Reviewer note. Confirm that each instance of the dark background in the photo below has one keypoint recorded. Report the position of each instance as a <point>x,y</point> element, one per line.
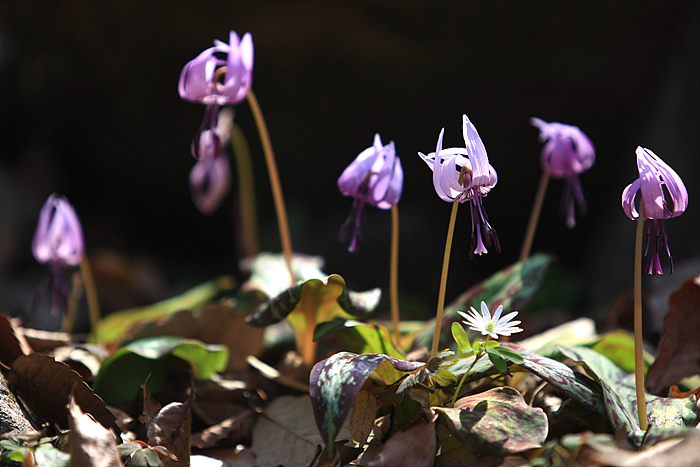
<point>90,109</point>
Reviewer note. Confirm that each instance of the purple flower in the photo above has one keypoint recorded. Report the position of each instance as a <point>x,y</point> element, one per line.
<point>659,185</point>
<point>374,177</point>
<point>478,179</point>
<point>566,153</point>
<point>210,178</point>
<point>58,241</point>
<point>209,79</point>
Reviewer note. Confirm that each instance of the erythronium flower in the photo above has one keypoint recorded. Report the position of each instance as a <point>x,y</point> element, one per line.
<point>375,177</point>
<point>491,326</point>
<point>215,81</point>
<point>479,178</point>
<point>657,182</point>
<point>58,241</point>
<point>566,153</point>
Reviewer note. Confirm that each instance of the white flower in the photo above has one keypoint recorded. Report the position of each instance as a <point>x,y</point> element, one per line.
<point>485,324</point>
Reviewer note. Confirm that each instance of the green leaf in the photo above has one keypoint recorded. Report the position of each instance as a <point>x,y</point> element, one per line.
<point>497,360</point>
<point>113,328</point>
<point>122,373</point>
<point>497,422</point>
<point>445,378</point>
<point>511,355</point>
<point>618,346</point>
<point>360,338</point>
<point>511,287</point>
<point>460,337</point>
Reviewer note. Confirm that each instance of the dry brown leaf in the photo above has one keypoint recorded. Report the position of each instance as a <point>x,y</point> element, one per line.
<point>673,452</point>
<point>91,444</point>
<point>216,323</point>
<point>237,429</point>
<point>12,343</point>
<point>239,456</point>
<point>84,359</point>
<point>151,407</point>
<point>41,341</point>
<point>171,428</point>
<point>45,386</point>
<point>679,352</point>
<point>415,447</point>
<point>364,412</point>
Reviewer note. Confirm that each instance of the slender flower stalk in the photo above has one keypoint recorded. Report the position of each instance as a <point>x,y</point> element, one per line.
<point>394,273</point>
<point>664,196</point>
<point>566,153</point>
<point>461,175</point>
<point>248,217</point>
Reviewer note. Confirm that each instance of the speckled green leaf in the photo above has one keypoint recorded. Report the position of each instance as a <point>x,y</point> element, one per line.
<point>335,382</point>
<point>670,416</point>
<point>359,337</point>
<point>511,287</point>
<point>497,422</point>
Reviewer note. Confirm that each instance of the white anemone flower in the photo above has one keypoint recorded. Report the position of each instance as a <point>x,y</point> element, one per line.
<point>492,326</point>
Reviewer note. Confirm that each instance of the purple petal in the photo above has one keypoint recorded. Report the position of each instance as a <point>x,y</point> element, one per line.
<point>628,196</point>
<point>59,235</point>
<point>653,175</point>
<point>210,179</point>
<point>477,153</point>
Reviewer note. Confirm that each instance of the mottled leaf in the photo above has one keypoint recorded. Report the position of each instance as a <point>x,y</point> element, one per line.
<point>497,422</point>
<point>122,373</point>
<point>511,287</point>
<point>115,327</point>
<point>679,352</point>
<point>618,346</point>
<point>358,337</point>
<point>335,382</point>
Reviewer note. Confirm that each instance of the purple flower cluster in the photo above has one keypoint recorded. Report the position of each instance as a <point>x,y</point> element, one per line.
<point>214,81</point>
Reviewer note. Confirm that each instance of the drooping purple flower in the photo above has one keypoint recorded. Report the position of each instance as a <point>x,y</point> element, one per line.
<point>567,152</point>
<point>660,187</point>
<point>375,177</point>
<point>58,241</point>
<point>215,81</point>
<point>209,79</point>
<point>475,183</point>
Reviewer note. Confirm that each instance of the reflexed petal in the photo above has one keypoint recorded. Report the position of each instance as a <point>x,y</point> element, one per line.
<point>653,175</point>
<point>567,150</point>
<point>628,199</point>
<point>477,153</point>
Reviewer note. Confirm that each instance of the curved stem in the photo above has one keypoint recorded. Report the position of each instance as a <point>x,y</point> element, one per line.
<point>90,293</point>
<point>534,216</point>
<point>638,348</point>
<point>394,271</point>
<point>248,220</point>
<point>443,280</point>
<point>464,377</point>
<point>274,182</point>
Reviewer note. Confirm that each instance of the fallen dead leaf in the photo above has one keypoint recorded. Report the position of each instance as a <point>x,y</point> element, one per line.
<point>415,447</point>
<point>45,385</point>
<point>364,412</point>
<point>673,452</point>
<point>12,343</point>
<point>679,353</point>
<point>171,427</point>
<point>91,444</point>
<point>235,427</point>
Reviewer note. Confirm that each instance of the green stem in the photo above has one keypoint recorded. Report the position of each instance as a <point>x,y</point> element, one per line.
<point>274,182</point>
<point>534,216</point>
<point>394,271</point>
<point>248,217</point>
<point>638,348</point>
<point>443,279</point>
<point>464,377</point>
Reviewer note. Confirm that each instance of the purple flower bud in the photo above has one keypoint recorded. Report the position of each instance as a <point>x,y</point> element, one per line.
<point>58,237</point>
<point>659,185</point>
<point>374,177</point>
<point>567,152</point>
<point>210,178</point>
<point>464,174</point>
<point>208,79</point>
<point>58,241</point>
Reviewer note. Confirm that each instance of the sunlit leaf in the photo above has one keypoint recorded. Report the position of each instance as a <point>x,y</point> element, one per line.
<point>358,337</point>
<point>618,346</point>
<point>336,381</point>
<point>497,422</point>
<point>460,337</point>
<point>122,373</point>
<point>511,287</point>
<point>114,327</point>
